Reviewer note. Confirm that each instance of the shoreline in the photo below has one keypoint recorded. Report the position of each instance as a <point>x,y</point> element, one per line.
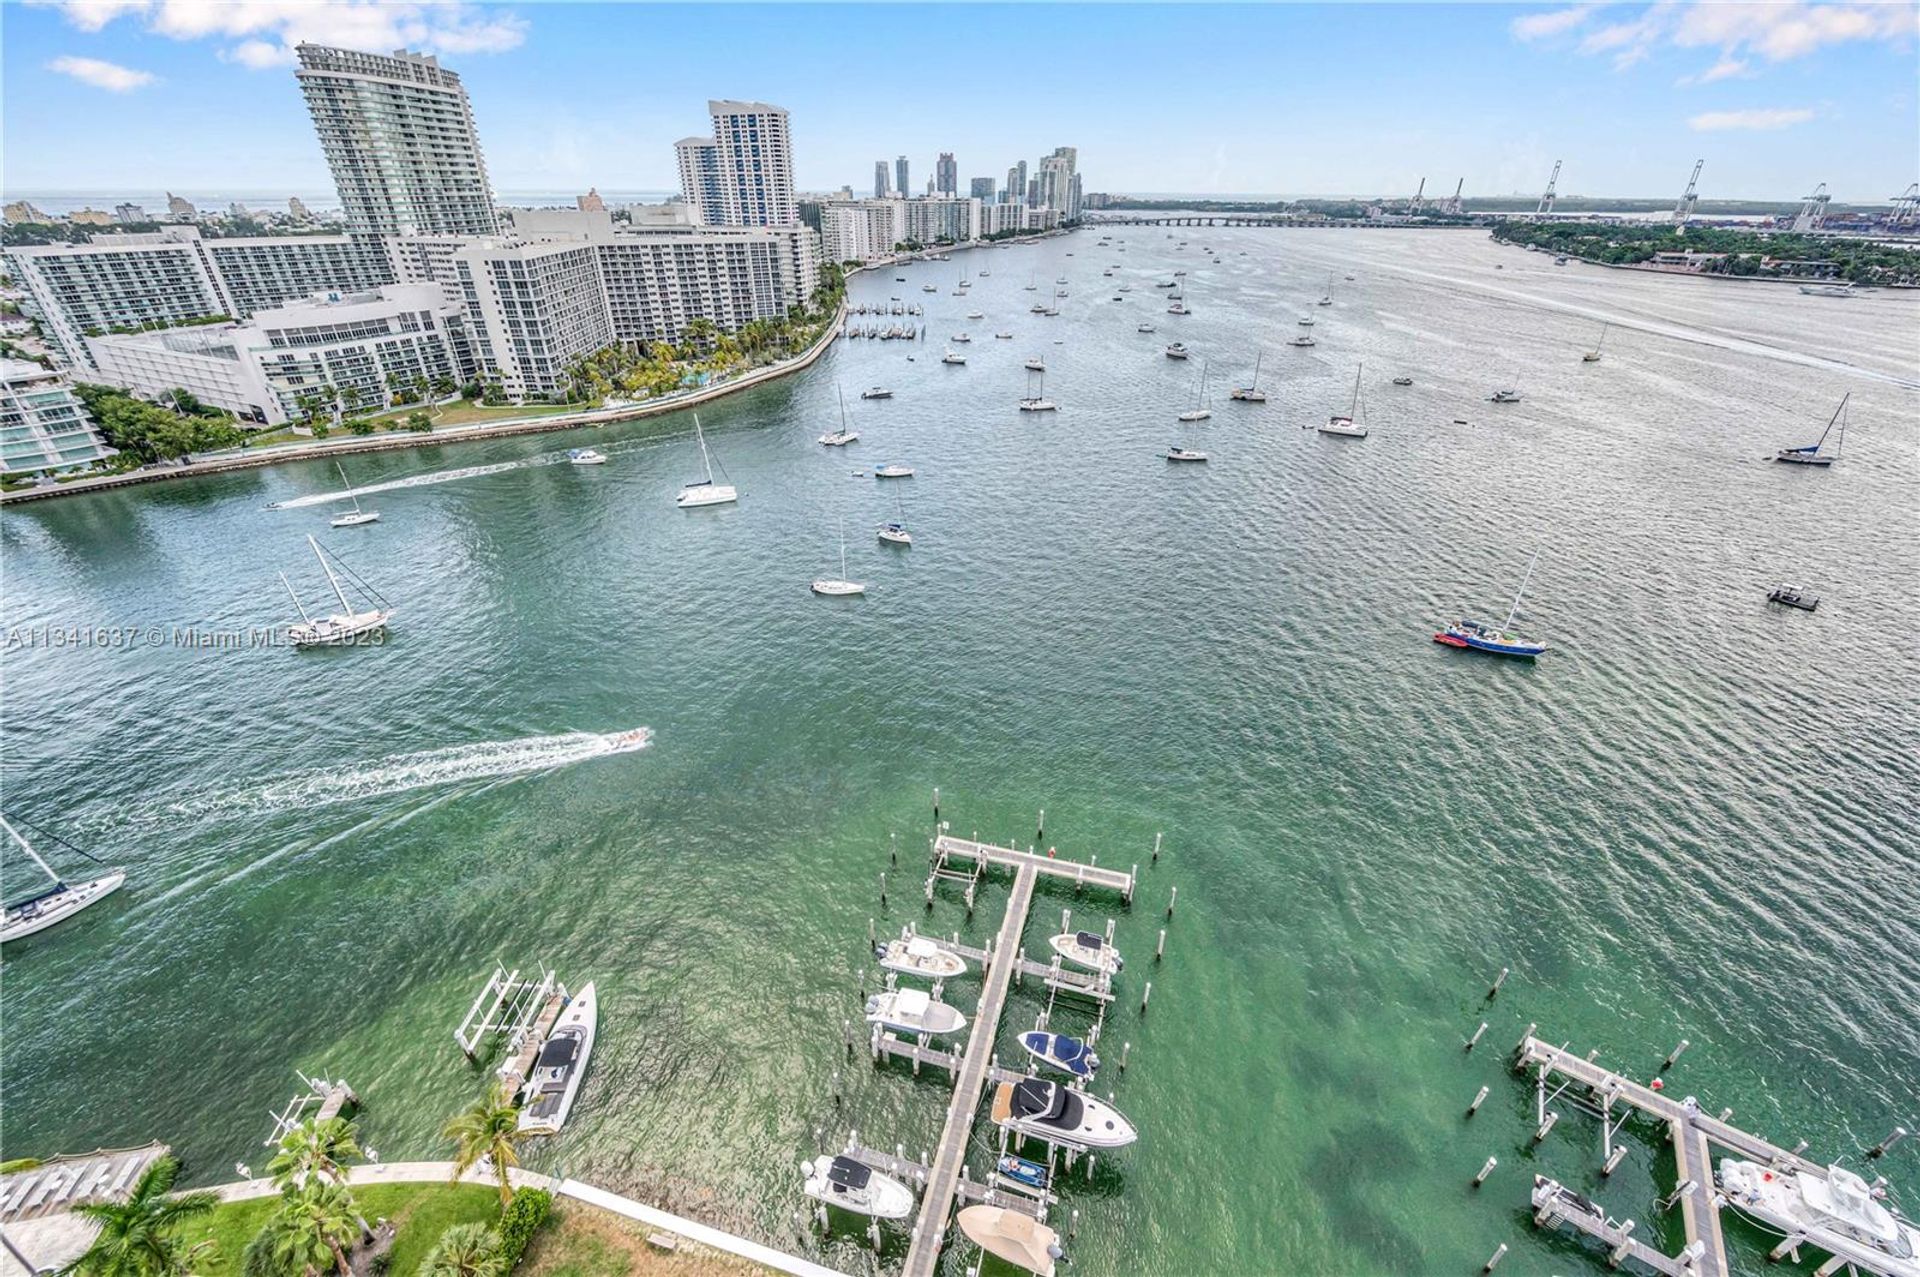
<point>1643,268</point>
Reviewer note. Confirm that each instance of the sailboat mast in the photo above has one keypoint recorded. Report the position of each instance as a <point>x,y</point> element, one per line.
<point>843,550</point>
<point>332,580</point>
<point>350,493</point>
<point>1354,407</point>
<point>1835,417</point>
<point>706,462</point>
<point>1256,370</point>
<point>1515,609</point>
<point>28,848</point>
<point>296,599</point>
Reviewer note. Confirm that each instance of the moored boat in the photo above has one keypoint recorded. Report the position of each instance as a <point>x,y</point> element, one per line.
<point>338,629</point>
<point>1057,1112</point>
<point>855,1186</point>
<point>1009,1235</point>
<point>1088,949</point>
<point>546,1098</point>
<point>913,1011</point>
<point>1838,1213</point>
<point>1057,1050</point>
<point>921,956</point>
<point>1814,454</point>
<point>1501,640</point>
<point>53,904</point>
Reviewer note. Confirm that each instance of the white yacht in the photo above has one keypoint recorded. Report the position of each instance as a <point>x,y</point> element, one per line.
<point>1327,298</point>
<point>1838,1214</point>
<point>876,392</point>
<point>341,628</point>
<point>1828,290</point>
<point>953,357</point>
<point>921,956</point>
<point>962,338</point>
<point>1143,328</point>
<point>56,903</point>
<point>839,587</point>
<point>1815,454</point>
<point>705,491</point>
<point>1185,454</point>
<point>974,314</point>
<point>1053,1111</point>
<point>1200,410</point>
<point>547,1095</point>
<point>1088,949</point>
<point>894,530</point>
<point>842,437</point>
<point>1177,350</point>
<point>912,1011</point>
<point>893,470</point>
<point>356,516</point>
<point>585,457</point>
<point>1251,392</point>
<point>1349,425</point>
<point>855,1186</point>
<point>1302,338</point>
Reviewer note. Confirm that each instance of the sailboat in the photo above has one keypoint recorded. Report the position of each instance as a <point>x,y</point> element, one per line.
<point>1501,641</point>
<point>842,437</point>
<point>56,903</point>
<point>1811,454</point>
<point>1036,400</point>
<point>357,516</point>
<point>1593,356</point>
<point>1348,426</point>
<point>1177,302</point>
<point>1251,392</point>
<point>894,531</point>
<point>1199,411</point>
<point>1327,299</point>
<point>839,587</point>
<point>706,491</point>
<point>343,627</point>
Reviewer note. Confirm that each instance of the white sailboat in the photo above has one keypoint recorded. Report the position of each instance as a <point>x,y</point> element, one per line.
<point>706,491</point>
<point>341,628</point>
<point>894,531</point>
<point>357,516</point>
<point>1200,411</point>
<point>1327,298</point>
<point>56,903</point>
<point>840,587</point>
<point>1251,392</point>
<point>842,437</point>
<point>1593,356</point>
<point>1036,399</point>
<point>1348,426</point>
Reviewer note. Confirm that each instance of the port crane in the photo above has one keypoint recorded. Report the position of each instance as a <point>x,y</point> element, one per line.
<point>1683,210</point>
<point>1546,201</point>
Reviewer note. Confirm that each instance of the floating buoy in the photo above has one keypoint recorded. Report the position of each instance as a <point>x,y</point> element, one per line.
<point>1657,1084</point>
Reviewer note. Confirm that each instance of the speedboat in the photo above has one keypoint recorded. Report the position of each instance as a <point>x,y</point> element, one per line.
<point>1019,1239</point>
<point>855,1186</point>
<point>627,742</point>
<point>894,532</point>
<point>1185,454</point>
<point>547,1095</point>
<point>1055,1111</point>
<point>1069,1055</point>
<point>921,956</point>
<point>912,1011</point>
<point>1178,350</point>
<point>877,392</point>
<point>893,470</point>
<point>953,357</point>
<point>1403,381</point>
<point>1089,950</point>
<point>1839,1214</point>
<point>1793,596</point>
<point>1504,396</point>
<point>585,457</point>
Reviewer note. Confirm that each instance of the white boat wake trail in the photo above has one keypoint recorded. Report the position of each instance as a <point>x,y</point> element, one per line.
<point>397,773</point>
<point>415,481</point>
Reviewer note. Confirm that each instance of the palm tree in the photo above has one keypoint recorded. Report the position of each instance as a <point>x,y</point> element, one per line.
<point>464,1250</point>
<point>489,1129</point>
<point>314,1150</point>
<point>140,1237</point>
<point>311,1230</point>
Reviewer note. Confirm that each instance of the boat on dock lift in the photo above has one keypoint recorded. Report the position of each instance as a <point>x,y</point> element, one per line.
<point>1057,1050</point>
<point>57,903</point>
<point>1839,1214</point>
<point>1018,1239</point>
<point>853,1185</point>
<point>1812,454</point>
<point>1089,950</point>
<point>1022,1171</point>
<point>1057,1113</point>
<point>913,1011</point>
<point>546,1098</point>
<point>921,956</point>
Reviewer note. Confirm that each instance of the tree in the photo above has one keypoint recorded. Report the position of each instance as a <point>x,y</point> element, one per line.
<point>314,1150</point>
<point>465,1250</point>
<point>489,1129</point>
<point>140,1237</point>
<point>313,1226</point>
<point>419,422</point>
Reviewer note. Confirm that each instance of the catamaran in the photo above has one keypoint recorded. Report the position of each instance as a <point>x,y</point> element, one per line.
<point>842,437</point>
<point>1593,356</point>
<point>343,627</point>
<point>706,491</point>
<point>855,1186</point>
<point>1251,392</point>
<point>1200,411</point>
<point>1036,398</point>
<point>1838,1213</point>
<point>1501,641</point>
<point>1348,425</point>
<point>548,1093</point>
<point>56,903</point>
<point>839,587</point>
<point>1811,454</point>
<point>356,516</point>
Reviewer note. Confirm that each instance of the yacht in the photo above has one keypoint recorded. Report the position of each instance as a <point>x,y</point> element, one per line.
<point>585,457</point>
<point>962,338</point>
<point>1812,454</point>
<point>1348,425</point>
<point>1838,1213</point>
<point>1058,1113</point>
<point>1087,949</point>
<point>56,903</point>
<point>894,530</point>
<point>1013,1236</point>
<point>921,956</point>
<point>1327,298</point>
<point>1036,364</point>
<point>953,357</point>
<point>1305,321</point>
<point>1500,640</point>
<point>355,517</point>
<point>547,1095</point>
<point>842,437</point>
<point>1057,1050</point>
<point>704,491</point>
<point>1185,454</point>
<point>1177,350</point>
<point>340,628</point>
<point>1251,392</point>
<point>839,587</point>
<point>1036,399</point>
<point>1593,356</point>
<point>1504,396</point>
<point>1200,411</point>
<point>913,1011</point>
<point>855,1186</point>
<point>876,392</point>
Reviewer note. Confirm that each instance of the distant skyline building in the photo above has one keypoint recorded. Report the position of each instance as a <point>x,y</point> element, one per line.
<point>981,188</point>
<point>1018,185</point>
<point>591,201</point>
<point>1014,185</point>
<point>399,137</point>
<point>130,214</point>
<point>946,175</point>
<point>296,209</point>
<point>900,182</point>
<point>879,179</point>
<point>180,208</point>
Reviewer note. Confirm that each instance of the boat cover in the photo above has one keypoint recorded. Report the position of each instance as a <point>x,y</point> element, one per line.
<point>1068,1050</point>
<point>559,1051</point>
<point>912,1002</point>
<point>1088,940</point>
<point>847,1173</point>
<point>1046,1102</point>
<point>1014,1237</point>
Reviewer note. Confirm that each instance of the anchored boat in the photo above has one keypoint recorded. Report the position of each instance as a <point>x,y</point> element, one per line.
<point>855,1186</point>
<point>1177,453</point>
<point>56,903</point>
<point>1348,425</point>
<point>839,586</point>
<point>704,491</point>
<point>547,1095</point>
<point>343,627</point>
<point>1501,641</point>
<point>1793,596</point>
<point>842,437</point>
<point>877,392</point>
<point>1812,454</point>
<point>1251,392</point>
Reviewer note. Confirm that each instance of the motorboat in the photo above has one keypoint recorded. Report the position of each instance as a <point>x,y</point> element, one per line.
<point>546,1097</point>
<point>894,532</point>
<point>1305,321</point>
<point>1178,307</point>
<point>840,586</point>
<point>1302,339</point>
<point>1839,1213</point>
<point>1185,454</point>
<point>876,392</point>
<point>1177,350</point>
<point>1348,278</point>
<point>1403,381</point>
<point>1088,949</point>
<point>1003,336</point>
<point>1054,1111</point>
<point>1009,1235</point>
<point>56,903</point>
<point>842,437</point>
<point>356,516</point>
<point>929,288</point>
<point>1038,308</point>
<point>913,1011</point>
<point>704,491</point>
<point>1504,396</point>
<point>1021,1171</point>
<point>893,470</point>
<point>953,357</point>
<point>962,338</point>
<point>339,629</point>
<point>855,1186</point>
<point>627,742</point>
<point>974,314</point>
<point>1171,283</point>
<point>1501,640</point>
<point>1828,290</point>
<point>1036,364</point>
<point>585,457</point>
<point>1814,454</point>
<point>1793,596</point>
<point>1143,328</point>
<point>921,956</point>
<point>1057,1050</point>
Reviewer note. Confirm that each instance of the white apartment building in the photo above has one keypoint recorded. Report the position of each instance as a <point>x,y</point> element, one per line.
<point>930,220</point>
<point>43,426</point>
<point>861,230</point>
<point>701,187</point>
<point>256,273</point>
<point>399,137</point>
<point>535,306</point>
<point>743,174</point>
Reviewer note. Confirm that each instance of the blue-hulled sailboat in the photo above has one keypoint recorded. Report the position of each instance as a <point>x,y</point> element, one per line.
<point>1500,640</point>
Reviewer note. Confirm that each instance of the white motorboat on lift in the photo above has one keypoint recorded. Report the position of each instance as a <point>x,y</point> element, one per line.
<point>855,1186</point>
<point>1089,950</point>
<point>705,491</point>
<point>56,903</point>
<point>548,1093</point>
<point>1055,1111</point>
<point>1840,1214</point>
<point>913,1011</point>
<point>1057,1050</point>
<point>921,956</point>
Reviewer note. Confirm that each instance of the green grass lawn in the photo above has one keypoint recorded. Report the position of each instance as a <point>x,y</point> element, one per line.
<point>421,1212</point>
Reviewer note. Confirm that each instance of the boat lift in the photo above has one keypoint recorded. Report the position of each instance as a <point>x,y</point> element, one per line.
<point>506,1007</point>
<point>327,1099</point>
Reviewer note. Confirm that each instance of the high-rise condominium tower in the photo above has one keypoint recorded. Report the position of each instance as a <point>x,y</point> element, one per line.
<point>946,175</point>
<point>879,179</point>
<point>754,149</point>
<point>900,176</point>
<point>398,134</point>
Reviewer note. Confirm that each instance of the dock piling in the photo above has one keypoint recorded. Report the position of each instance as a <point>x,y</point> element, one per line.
<point>1495,1258</point>
<point>1144,995</point>
<point>1476,1035</point>
<point>1160,947</point>
<point>1894,1137</point>
<point>1618,1255</point>
<point>883,889</point>
<point>1497,982</point>
<point>1171,897</point>
<point>1485,1171</point>
<point>1788,1246</point>
<point>1675,1054</point>
<point>1613,1160</point>
<point>1073,1225</point>
<point>1124,1048</point>
<point>1478,1099</point>
<point>1156,849</point>
<point>1526,1037</point>
<point>1545,1127</point>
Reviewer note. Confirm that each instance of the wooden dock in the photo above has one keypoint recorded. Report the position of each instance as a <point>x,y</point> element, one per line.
<point>1555,1204</point>
<point>948,847</point>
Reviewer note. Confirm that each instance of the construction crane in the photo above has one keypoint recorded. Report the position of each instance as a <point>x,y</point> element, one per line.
<point>1546,201</point>
<point>1453,206</point>
<point>1813,212</point>
<point>1418,201</point>
<point>1683,210</point>
<point>1906,207</point>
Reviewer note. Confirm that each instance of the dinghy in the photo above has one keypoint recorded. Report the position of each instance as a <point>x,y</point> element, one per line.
<point>912,1011</point>
<point>855,1186</point>
<point>1019,1239</point>
<point>1055,1111</point>
<point>918,955</point>
<point>1021,1171</point>
<point>1068,1055</point>
<point>1088,950</point>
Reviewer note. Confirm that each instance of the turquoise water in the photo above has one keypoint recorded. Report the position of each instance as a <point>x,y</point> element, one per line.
<point>1693,818</point>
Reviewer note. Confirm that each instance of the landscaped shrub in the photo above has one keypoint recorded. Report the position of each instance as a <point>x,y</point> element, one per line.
<point>524,1215</point>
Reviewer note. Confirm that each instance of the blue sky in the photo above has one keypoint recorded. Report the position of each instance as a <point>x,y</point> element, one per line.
<point>196,95</point>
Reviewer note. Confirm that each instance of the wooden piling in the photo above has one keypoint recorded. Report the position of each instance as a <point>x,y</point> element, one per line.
<point>1485,1171</point>
<point>1675,1054</point>
<point>1497,982</point>
<point>1479,1098</point>
<point>1476,1035</point>
<point>1495,1258</point>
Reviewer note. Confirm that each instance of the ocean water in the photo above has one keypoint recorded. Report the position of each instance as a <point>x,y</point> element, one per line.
<point>1695,817</point>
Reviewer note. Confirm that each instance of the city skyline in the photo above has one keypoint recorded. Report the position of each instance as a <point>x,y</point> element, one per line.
<point>1776,98</point>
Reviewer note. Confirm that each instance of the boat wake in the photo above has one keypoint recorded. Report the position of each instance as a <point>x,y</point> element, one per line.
<point>416,481</point>
<point>398,773</point>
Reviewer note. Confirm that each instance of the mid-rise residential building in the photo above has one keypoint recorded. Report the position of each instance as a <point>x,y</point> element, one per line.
<point>861,230</point>
<point>258,272</point>
<point>399,137</point>
<point>90,217</point>
<point>44,427</point>
<point>20,211</point>
<point>130,214</point>
<point>937,219</point>
<point>946,175</point>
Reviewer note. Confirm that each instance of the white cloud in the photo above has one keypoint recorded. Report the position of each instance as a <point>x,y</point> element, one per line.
<point>1774,32</point>
<point>102,75</point>
<point>1541,26</point>
<point>1763,118</point>
<point>263,33</point>
<point>1727,68</point>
